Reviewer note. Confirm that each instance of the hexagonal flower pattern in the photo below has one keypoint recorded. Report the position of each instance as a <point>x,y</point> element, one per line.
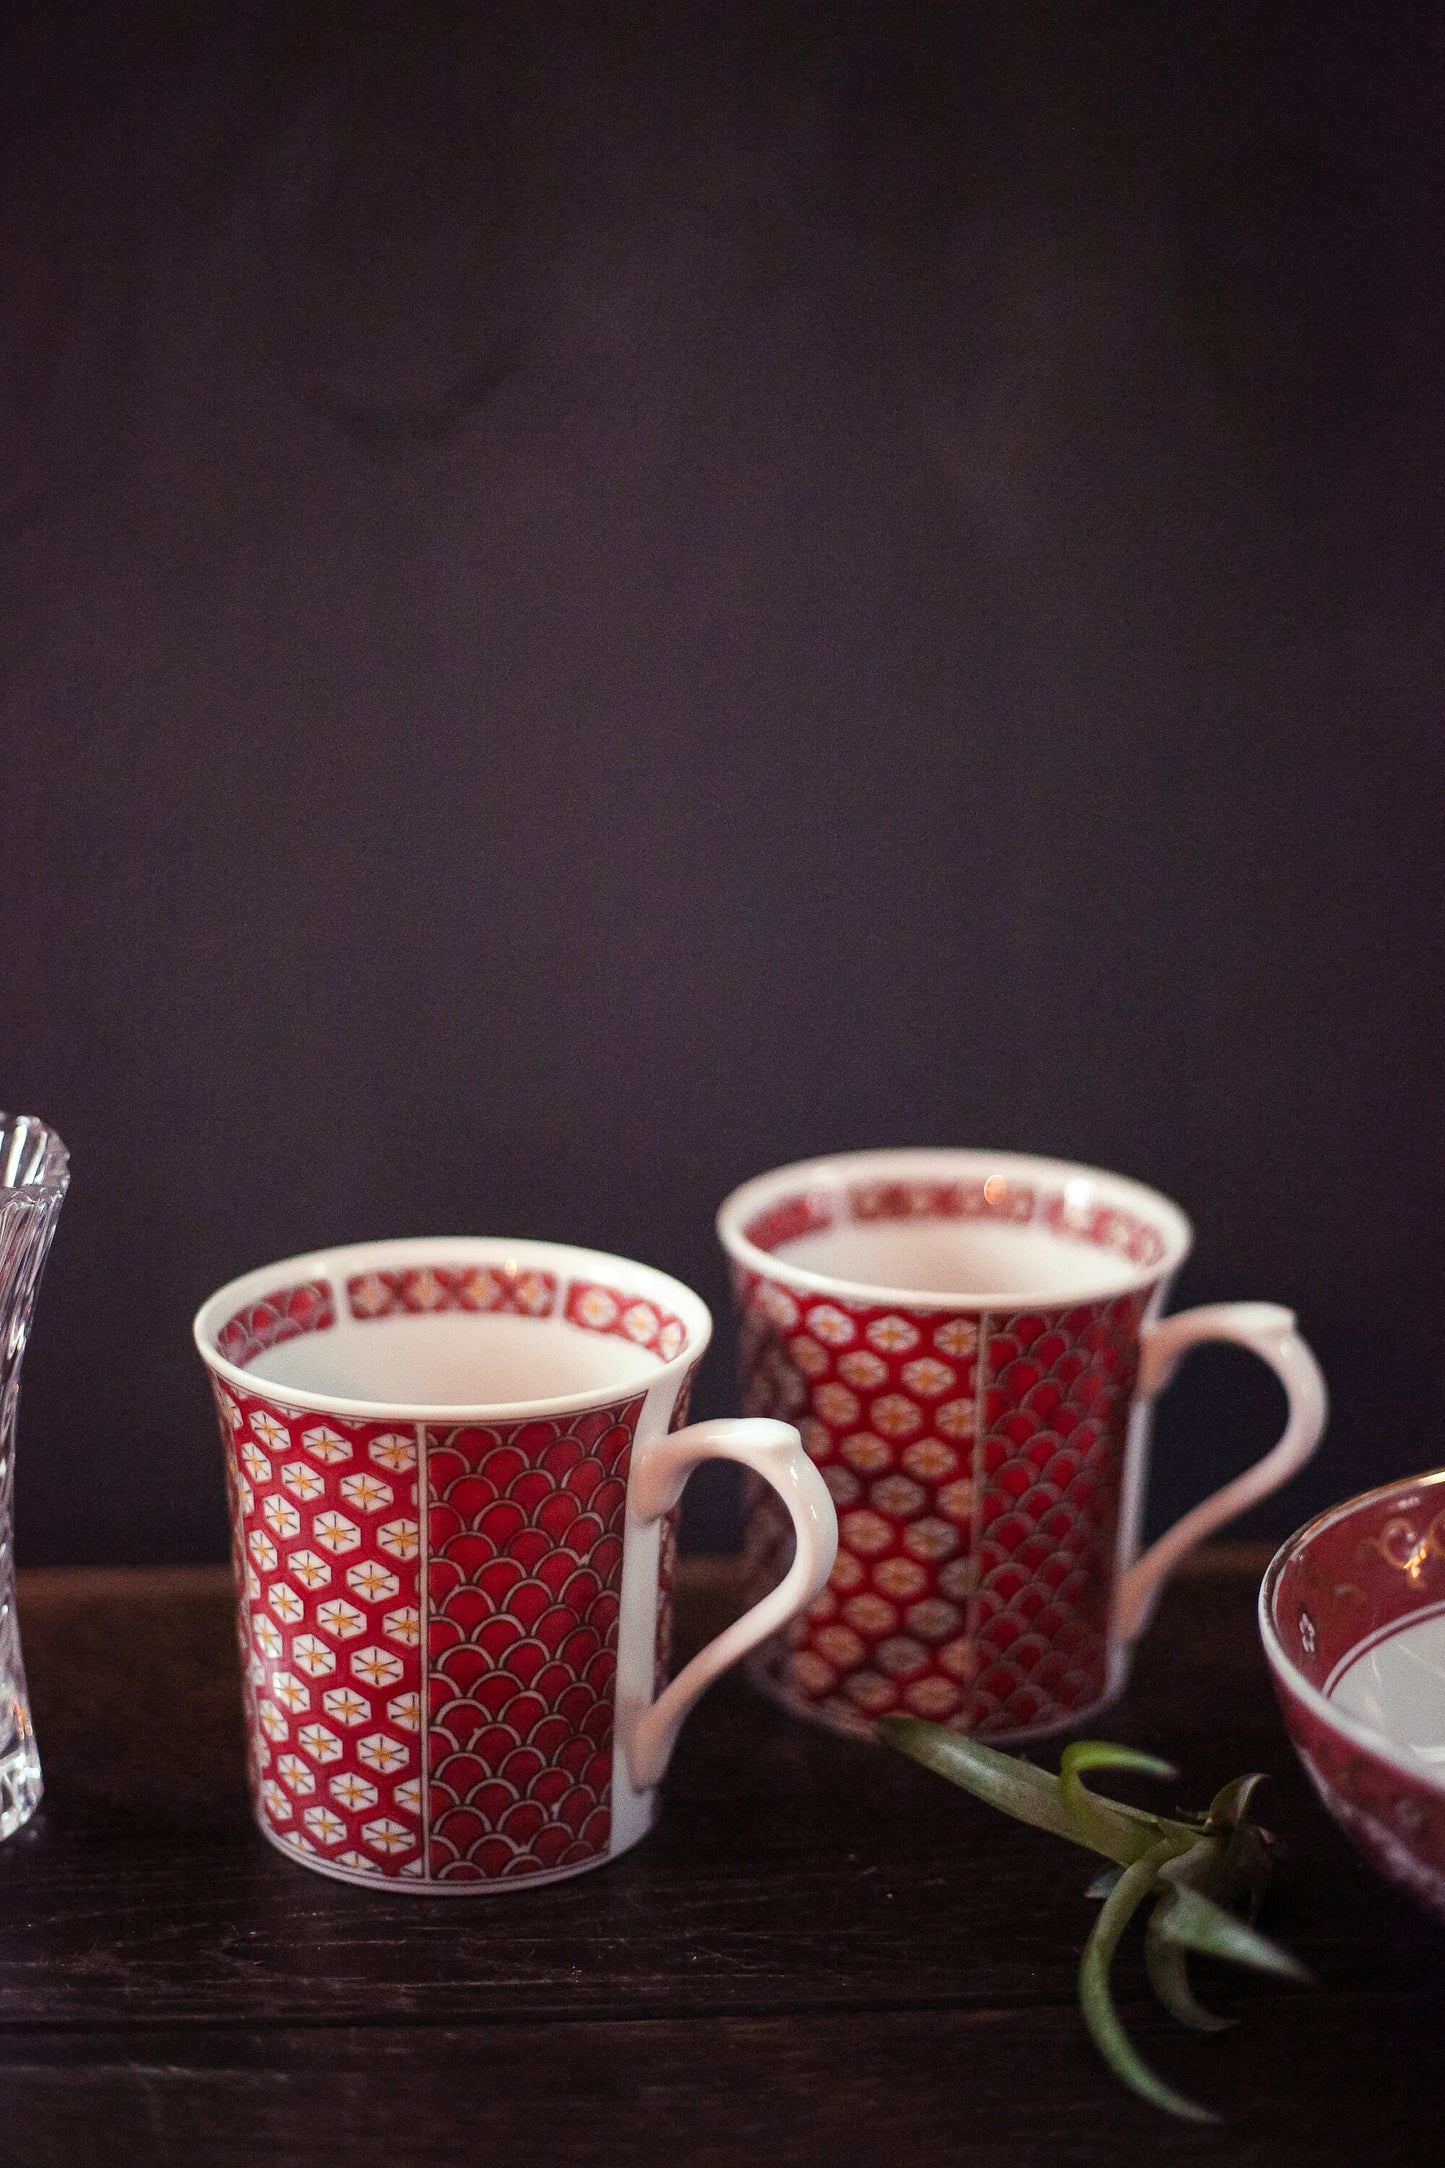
<point>428,1616</point>
<point>975,1463</point>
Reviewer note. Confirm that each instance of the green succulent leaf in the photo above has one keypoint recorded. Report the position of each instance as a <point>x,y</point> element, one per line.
<point>1195,1922</point>
<point>1206,1872</point>
<point>1168,1970</point>
<point>1100,1823</point>
<point>1108,2035</point>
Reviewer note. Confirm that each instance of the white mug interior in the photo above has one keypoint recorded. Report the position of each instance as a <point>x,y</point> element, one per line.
<point>471,1324</point>
<point>979,1230</point>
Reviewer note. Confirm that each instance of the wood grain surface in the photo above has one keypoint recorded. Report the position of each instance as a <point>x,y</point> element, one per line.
<point>822,1955</point>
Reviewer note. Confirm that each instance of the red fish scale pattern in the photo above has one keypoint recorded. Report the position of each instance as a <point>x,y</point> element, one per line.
<point>525,1579</point>
<point>326,1540</point>
<point>1056,1412</point>
<point>515,1647</point>
<point>975,1488</point>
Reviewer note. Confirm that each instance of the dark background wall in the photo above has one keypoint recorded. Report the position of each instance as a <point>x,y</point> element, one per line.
<point>599,598</point>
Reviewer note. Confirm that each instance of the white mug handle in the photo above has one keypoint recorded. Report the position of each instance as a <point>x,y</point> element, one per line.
<point>659,1471</point>
<point>1268,1332</point>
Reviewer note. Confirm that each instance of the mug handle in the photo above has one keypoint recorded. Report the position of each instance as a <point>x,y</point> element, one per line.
<point>1268,1332</point>
<point>659,1472</point>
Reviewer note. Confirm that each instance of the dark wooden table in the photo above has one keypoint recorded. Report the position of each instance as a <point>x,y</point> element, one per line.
<point>823,1955</point>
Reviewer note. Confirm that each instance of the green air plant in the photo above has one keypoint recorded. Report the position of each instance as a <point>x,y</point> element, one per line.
<point>1206,1875</point>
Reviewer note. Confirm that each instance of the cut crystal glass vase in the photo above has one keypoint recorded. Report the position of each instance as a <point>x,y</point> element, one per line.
<point>34,1173</point>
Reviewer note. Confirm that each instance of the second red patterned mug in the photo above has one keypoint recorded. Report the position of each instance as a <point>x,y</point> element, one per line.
<point>454,1468</point>
<point>970,1343</point>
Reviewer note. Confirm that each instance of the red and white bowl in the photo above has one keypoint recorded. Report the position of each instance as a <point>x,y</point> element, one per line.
<point>1352,1614</point>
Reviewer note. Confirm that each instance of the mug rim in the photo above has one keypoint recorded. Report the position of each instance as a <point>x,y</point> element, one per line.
<point>338,1262</point>
<point>958,1163</point>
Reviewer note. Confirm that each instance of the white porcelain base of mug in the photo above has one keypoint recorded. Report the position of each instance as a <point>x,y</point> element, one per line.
<point>421,1886</point>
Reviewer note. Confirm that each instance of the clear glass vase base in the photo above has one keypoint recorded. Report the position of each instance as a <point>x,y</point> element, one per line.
<point>20,1787</point>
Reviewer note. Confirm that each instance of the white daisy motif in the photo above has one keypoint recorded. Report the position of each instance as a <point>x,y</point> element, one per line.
<point>313,1656</point>
<point>281,1516</point>
<point>285,1602</point>
<point>405,1711</point>
<point>245,1497</point>
<point>866,1453</point>
<point>273,1723</point>
<point>811,1359</point>
<point>934,1620</point>
<point>930,1459</point>
<point>897,1495</point>
<point>376,1667</point>
<point>812,1674</point>
<point>322,1745</point>
<point>269,1430</point>
<point>930,1538</point>
<point>958,1578</point>
<point>353,1792</point>
<point>596,1309</point>
<point>900,1577</point>
<point>930,1378</point>
<point>403,1626</point>
<point>776,1303</point>
<point>263,1550</point>
<point>255,1463</point>
<point>669,1340</point>
<point>866,1533</point>
<point>294,1773</point>
<point>232,1413</point>
<point>357,1862</point>
<point>393,1452</point>
<point>843,1485</point>
<point>896,1416</point>
<point>873,1694</point>
<point>309,1568</point>
<point>934,1698</point>
<point>861,1367</point>
<point>380,1753</point>
<point>290,1692</point>
<point>341,1619</point>
<point>639,1322</point>
<point>335,1533</point>
<point>956,1500</point>
<point>267,1638</point>
<point>956,1336</point>
<point>365,1493</point>
<point>323,1825</point>
<point>277,1805</point>
<point>408,1796</point>
<point>892,1335</point>
<point>955,1418</point>
<point>302,1481</point>
<point>836,1405</point>
<point>371,1581</point>
<point>870,1615</point>
<point>256,1669</point>
<point>400,1538</point>
<point>826,1322</point>
<point>840,1645</point>
<point>325,1444</point>
<point>387,1836</point>
<point>253,1583</point>
<point>345,1706</point>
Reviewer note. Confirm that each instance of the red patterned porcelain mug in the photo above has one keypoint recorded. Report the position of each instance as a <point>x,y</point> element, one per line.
<point>454,1468</point>
<point>970,1343</point>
